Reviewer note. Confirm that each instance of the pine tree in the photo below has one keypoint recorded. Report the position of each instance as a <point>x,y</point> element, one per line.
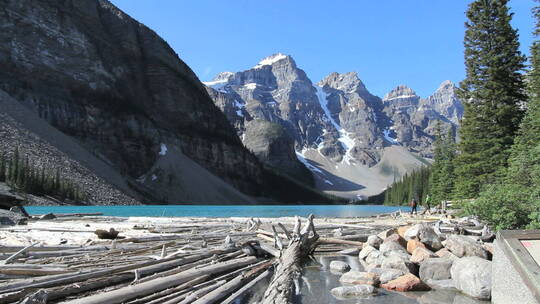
<point>412,185</point>
<point>2,167</point>
<point>14,167</point>
<point>442,178</point>
<point>525,157</point>
<point>492,91</point>
<point>515,201</point>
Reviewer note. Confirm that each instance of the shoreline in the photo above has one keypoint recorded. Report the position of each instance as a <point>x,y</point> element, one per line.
<point>78,231</point>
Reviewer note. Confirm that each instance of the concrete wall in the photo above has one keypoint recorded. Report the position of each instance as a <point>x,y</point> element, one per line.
<point>507,284</point>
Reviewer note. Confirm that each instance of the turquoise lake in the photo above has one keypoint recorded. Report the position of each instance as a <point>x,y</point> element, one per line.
<point>223,210</point>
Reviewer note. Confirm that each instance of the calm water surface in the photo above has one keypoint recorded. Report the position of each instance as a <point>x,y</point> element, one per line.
<point>318,280</point>
<point>223,210</point>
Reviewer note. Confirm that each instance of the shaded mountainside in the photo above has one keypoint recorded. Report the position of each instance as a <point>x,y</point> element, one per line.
<point>47,147</point>
<point>119,92</point>
<point>341,131</point>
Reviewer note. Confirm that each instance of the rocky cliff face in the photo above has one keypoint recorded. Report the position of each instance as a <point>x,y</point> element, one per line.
<point>356,114</point>
<point>445,102</point>
<point>275,91</point>
<point>47,147</point>
<point>118,89</point>
<point>336,122</point>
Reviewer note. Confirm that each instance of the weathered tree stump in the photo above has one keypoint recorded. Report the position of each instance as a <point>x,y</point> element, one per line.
<point>285,282</point>
<point>112,234</point>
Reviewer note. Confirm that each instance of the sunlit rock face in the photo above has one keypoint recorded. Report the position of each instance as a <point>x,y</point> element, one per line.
<point>337,119</point>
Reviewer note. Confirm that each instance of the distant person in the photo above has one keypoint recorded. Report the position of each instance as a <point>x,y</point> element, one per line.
<point>427,202</point>
<point>414,205</point>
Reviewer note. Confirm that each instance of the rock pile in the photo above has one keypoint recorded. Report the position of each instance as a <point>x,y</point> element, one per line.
<point>420,258</point>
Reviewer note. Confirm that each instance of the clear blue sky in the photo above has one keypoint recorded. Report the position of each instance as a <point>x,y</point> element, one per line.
<point>388,42</point>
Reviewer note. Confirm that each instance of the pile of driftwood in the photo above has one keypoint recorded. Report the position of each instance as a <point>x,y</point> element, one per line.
<point>465,226</point>
<point>197,263</point>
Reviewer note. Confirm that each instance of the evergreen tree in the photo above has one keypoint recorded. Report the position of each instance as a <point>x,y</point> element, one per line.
<point>492,91</point>
<point>412,185</point>
<point>442,178</point>
<point>14,167</point>
<point>25,176</point>
<point>525,156</point>
<point>515,201</point>
<point>2,168</point>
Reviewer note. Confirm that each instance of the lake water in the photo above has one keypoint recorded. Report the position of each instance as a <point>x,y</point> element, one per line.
<point>318,280</point>
<point>223,210</point>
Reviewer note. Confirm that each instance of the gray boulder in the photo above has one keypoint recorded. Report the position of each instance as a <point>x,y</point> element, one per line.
<point>374,241</point>
<point>447,284</point>
<point>351,291</point>
<point>435,269</point>
<point>445,253</point>
<point>374,258</point>
<point>360,278</point>
<point>383,235</point>
<point>421,254</point>
<point>399,263</point>
<point>388,275</point>
<point>366,251</point>
<point>425,234</point>
<point>461,246</point>
<point>472,276</point>
<point>339,266</point>
<point>413,232</point>
<point>391,246</point>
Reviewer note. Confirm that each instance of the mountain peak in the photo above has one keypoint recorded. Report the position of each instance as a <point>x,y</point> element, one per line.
<point>446,85</point>
<point>223,76</point>
<point>220,80</point>
<point>270,60</point>
<point>401,91</point>
<point>347,82</point>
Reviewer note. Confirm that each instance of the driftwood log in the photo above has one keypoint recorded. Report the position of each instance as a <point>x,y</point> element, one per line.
<point>284,284</point>
<point>133,291</point>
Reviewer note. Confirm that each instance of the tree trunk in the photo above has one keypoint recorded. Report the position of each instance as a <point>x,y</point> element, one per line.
<point>284,284</point>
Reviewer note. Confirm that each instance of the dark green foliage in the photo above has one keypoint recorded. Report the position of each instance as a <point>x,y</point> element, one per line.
<point>524,156</point>
<point>414,185</point>
<point>503,206</point>
<point>2,168</point>
<point>492,92</point>
<point>441,184</point>
<point>25,176</point>
<point>514,202</point>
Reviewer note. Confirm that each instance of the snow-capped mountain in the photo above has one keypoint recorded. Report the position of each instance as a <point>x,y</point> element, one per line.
<point>353,142</point>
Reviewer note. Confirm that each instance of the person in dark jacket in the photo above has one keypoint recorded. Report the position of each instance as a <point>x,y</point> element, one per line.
<point>414,205</point>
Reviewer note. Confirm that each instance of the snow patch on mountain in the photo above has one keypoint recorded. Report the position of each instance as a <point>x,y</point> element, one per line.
<point>270,60</point>
<point>250,86</point>
<point>302,158</point>
<point>163,150</point>
<point>344,137</point>
<point>401,97</point>
<point>217,85</point>
<point>239,106</point>
<point>386,134</point>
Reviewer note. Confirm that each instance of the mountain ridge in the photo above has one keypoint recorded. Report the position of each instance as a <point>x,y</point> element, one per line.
<point>337,117</point>
<point>119,91</point>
